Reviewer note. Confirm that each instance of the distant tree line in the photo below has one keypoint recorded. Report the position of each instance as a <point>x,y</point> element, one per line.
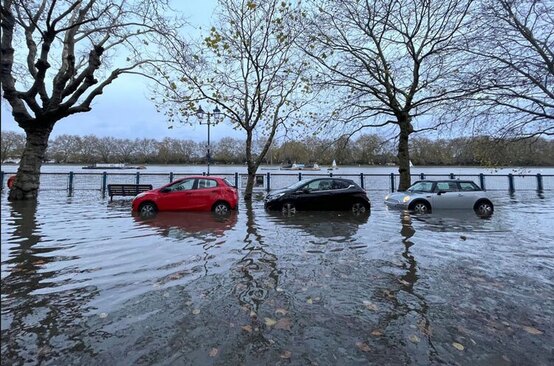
<point>364,150</point>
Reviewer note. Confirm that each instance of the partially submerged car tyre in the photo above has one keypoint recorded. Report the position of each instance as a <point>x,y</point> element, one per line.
<point>420,207</point>
<point>221,208</point>
<point>288,207</point>
<point>148,209</point>
<point>359,208</point>
<point>484,208</point>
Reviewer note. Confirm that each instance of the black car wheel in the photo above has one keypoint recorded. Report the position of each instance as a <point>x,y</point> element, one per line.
<point>221,208</point>
<point>148,209</point>
<point>288,208</point>
<point>421,207</point>
<point>484,208</point>
<point>359,208</point>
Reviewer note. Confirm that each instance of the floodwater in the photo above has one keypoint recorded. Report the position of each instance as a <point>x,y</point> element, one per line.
<point>85,282</point>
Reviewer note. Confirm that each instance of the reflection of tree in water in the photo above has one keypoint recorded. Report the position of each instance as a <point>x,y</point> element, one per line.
<point>258,267</point>
<point>402,307</point>
<point>32,323</point>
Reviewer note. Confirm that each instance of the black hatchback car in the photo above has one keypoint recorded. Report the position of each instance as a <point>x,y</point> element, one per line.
<point>319,194</point>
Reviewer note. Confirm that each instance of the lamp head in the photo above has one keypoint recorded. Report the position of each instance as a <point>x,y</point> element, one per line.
<point>200,112</point>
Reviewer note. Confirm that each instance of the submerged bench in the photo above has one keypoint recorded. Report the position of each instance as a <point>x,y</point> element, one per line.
<point>127,189</point>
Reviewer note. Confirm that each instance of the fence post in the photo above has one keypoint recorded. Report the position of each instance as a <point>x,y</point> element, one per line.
<point>392,182</point>
<point>422,176</point>
<point>362,180</point>
<point>138,178</point>
<point>482,181</point>
<point>539,183</point>
<point>511,183</point>
<point>268,181</point>
<point>1,180</point>
<point>104,181</point>
<point>70,188</point>
<point>452,176</point>
<point>236,179</point>
<point>170,177</point>
<point>299,176</point>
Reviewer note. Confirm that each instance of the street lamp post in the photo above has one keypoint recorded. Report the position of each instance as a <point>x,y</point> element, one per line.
<point>216,114</point>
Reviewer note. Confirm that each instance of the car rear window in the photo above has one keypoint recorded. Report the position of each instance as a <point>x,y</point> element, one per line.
<point>340,184</point>
<point>468,186</point>
<point>206,183</point>
<point>228,183</point>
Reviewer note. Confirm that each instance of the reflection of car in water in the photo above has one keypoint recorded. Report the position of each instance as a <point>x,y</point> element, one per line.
<point>321,223</point>
<point>452,221</point>
<point>182,224</point>
<point>427,196</point>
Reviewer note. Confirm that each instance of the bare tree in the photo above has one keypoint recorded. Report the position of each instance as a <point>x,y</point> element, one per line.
<point>248,66</point>
<point>392,60</point>
<point>54,63</point>
<point>229,150</point>
<point>65,149</point>
<point>367,148</point>
<point>105,149</point>
<point>12,145</point>
<point>512,53</point>
<point>146,150</point>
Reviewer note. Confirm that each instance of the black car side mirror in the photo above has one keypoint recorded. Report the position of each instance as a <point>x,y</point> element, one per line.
<point>165,190</point>
<point>440,192</point>
<point>306,190</point>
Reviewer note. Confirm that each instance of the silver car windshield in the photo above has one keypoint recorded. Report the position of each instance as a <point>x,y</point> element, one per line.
<point>421,187</point>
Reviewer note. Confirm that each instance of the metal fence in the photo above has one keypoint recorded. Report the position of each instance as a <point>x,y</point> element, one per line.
<point>267,181</point>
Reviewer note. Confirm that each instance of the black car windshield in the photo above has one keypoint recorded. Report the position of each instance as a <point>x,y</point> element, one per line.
<point>421,187</point>
<point>297,184</point>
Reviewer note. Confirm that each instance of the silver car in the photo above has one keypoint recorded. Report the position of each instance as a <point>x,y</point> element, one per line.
<point>424,196</point>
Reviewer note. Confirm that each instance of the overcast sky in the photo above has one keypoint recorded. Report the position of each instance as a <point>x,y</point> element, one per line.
<point>124,110</point>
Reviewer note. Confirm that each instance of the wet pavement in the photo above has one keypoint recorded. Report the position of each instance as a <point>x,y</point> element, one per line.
<point>85,282</point>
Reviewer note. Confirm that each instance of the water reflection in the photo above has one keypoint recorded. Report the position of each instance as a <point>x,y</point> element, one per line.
<point>180,225</point>
<point>322,224</point>
<point>257,268</point>
<point>453,221</point>
<point>93,285</point>
<point>32,311</point>
<point>409,308</point>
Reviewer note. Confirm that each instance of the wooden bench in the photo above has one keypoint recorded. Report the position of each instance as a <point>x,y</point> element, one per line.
<point>127,189</point>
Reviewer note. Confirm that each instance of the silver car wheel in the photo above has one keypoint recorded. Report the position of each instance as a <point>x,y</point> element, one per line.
<point>484,209</point>
<point>221,209</point>
<point>421,208</point>
<point>147,209</point>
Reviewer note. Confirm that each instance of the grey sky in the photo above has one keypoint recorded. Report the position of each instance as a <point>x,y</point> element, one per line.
<point>124,110</point>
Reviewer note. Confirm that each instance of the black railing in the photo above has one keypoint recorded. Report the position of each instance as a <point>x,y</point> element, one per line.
<point>268,181</point>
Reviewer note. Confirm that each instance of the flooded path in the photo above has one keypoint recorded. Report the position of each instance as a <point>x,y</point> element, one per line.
<point>85,282</point>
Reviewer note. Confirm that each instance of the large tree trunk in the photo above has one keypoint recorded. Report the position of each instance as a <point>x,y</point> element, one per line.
<point>406,128</point>
<point>27,180</point>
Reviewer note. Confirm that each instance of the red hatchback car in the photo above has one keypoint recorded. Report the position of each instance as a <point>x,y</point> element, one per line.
<point>195,193</point>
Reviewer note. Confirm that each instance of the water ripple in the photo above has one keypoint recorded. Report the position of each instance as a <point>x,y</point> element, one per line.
<point>84,281</point>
